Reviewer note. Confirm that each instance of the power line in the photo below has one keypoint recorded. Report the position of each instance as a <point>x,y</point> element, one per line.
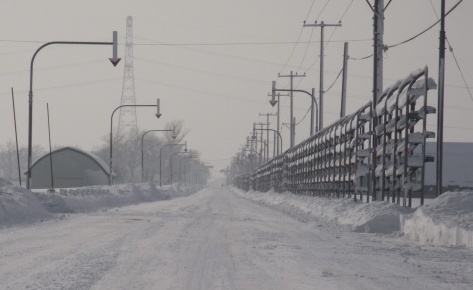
<point>334,81</point>
<point>346,10</point>
<point>323,9</point>
<point>413,37</point>
<point>306,49</point>
<point>219,74</point>
<point>304,116</point>
<point>425,30</point>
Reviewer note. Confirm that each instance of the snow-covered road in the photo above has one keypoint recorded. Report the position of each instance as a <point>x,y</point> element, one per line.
<point>215,239</point>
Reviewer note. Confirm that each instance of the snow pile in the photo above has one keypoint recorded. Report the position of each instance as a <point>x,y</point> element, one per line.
<point>92,198</point>
<point>374,217</point>
<point>447,221</point>
<point>19,205</point>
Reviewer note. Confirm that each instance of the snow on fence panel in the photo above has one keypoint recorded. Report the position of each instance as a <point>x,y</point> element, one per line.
<point>340,161</point>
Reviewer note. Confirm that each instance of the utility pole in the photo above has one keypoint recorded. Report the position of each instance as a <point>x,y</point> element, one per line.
<point>321,86</point>
<point>378,47</point>
<point>441,99</point>
<point>292,127</point>
<point>267,131</point>
<point>274,102</point>
<point>344,81</point>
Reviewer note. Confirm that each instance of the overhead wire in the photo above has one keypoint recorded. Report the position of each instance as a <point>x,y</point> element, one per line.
<point>413,37</point>
<point>298,38</point>
<point>425,30</point>
<point>325,46</point>
<point>334,81</point>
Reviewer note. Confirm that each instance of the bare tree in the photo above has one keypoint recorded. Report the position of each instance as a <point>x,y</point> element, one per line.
<point>9,161</point>
<point>127,153</point>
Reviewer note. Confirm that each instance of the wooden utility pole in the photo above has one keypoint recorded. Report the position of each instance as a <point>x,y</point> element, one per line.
<point>441,99</point>
<point>321,85</point>
<point>292,127</point>
<point>344,81</point>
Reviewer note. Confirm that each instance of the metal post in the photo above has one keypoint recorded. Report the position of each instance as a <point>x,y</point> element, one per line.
<point>267,127</point>
<point>170,161</point>
<point>279,124</point>
<point>160,159</point>
<point>441,100</point>
<point>50,150</point>
<point>344,81</point>
<point>16,136</point>
<point>114,61</point>
<point>111,132</point>
<point>142,148</point>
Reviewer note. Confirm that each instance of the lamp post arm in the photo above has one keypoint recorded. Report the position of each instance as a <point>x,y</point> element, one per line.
<point>142,150</point>
<point>160,162</point>
<point>111,132</point>
<point>280,137</point>
<point>314,100</point>
<point>30,97</point>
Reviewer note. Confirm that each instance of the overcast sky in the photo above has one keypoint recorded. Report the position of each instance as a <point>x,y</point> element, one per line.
<point>216,68</point>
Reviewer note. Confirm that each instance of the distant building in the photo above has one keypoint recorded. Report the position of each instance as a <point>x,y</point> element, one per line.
<point>72,167</point>
<point>457,165</point>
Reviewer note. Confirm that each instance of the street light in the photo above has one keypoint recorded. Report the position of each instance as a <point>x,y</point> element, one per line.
<point>170,160</point>
<point>160,154</point>
<point>142,149</point>
<point>111,130</point>
<point>319,121</point>
<point>114,59</point>
<point>180,166</point>
<point>279,135</point>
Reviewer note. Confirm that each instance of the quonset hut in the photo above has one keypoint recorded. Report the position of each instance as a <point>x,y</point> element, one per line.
<point>72,167</point>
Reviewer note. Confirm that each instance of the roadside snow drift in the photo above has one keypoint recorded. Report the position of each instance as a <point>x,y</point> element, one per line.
<point>447,221</point>
<point>92,198</point>
<point>374,217</point>
<point>19,205</point>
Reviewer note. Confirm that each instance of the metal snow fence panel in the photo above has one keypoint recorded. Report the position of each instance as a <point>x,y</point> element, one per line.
<point>337,161</point>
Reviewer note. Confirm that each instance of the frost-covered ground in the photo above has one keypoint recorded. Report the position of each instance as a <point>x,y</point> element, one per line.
<point>19,205</point>
<point>143,237</point>
<point>444,221</point>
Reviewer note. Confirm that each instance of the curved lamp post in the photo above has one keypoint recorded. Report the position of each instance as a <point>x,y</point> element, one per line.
<point>170,160</point>
<point>319,120</point>
<point>142,147</point>
<point>160,159</point>
<point>180,166</point>
<point>114,61</point>
<point>111,129</point>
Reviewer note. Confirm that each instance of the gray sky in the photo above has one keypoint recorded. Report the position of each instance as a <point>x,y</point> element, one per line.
<point>217,69</point>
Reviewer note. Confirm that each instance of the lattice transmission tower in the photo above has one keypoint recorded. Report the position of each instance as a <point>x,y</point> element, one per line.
<point>127,124</point>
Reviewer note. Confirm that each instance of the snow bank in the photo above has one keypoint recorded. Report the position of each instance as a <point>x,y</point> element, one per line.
<point>92,198</point>
<point>374,217</point>
<point>447,221</point>
<point>19,205</point>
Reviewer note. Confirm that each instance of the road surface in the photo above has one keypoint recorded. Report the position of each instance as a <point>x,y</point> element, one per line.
<point>215,239</point>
